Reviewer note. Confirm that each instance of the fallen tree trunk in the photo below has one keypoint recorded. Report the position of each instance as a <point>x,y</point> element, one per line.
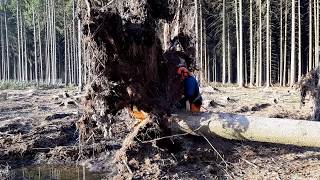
<point>241,127</point>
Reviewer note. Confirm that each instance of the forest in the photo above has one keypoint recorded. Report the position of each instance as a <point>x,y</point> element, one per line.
<point>40,42</point>
<point>159,89</point>
<point>261,43</point>
<point>251,43</point>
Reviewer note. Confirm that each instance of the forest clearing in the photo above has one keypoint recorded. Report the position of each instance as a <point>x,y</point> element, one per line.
<point>166,89</point>
<point>37,129</point>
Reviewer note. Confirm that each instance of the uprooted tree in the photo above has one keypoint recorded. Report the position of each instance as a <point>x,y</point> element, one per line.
<point>125,42</point>
<point>310,85</point>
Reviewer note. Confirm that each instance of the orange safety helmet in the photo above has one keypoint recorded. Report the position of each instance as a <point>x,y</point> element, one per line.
<point>183,72</point>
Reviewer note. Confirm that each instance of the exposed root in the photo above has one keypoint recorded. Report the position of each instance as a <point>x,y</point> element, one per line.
<point>129,141</point>
<point>310,85</point>
<point>129,70</point>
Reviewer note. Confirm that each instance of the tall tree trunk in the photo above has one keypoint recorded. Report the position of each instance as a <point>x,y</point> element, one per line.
<point>19,45</point>
<point>281,45</point>
<point>214,66</point>
<point>245,68</point>
<point>241,47</point>
<point>85,56</point>
<point>299,54</point>
<point>285,45</point>
<point>268,46</point>
<point>74,42</point>
<point>224,42</point>
<point>176,26</point>
<point>3,65</point>
<point>258,60</point>
<point>204,34</point>
<point>25,52</point>
<point>202,80</point>
<point>316,46</point>
<point>238,41</point>
<point>260,43</point>
<point>40,51</point>
<point>196,34</point>
<point>7,42</point>
<point>56,72</point>
<point>48,57</point>
<point>35,49</point>
<point>52,30</point>
<point>315,7</point>
<point>251,46</point>
<point>229,58</point>
<point>53,69</point>
<point>310,37</point>
<point>70,56</point>
<point>65,48</point>
<point>53,62</point>
<point>166,36</point>
<point>22,47</point>
<point>79,55</point>
<point>293,47</point>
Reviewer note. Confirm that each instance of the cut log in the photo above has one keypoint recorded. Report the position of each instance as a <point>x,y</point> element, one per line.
<point>241,127</point>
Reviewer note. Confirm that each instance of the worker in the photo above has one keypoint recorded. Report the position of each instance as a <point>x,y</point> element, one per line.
<point>191,90</point>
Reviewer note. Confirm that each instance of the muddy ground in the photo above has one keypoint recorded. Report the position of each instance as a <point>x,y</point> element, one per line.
<point>38,127</point>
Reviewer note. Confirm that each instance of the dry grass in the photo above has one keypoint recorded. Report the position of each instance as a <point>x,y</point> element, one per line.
<point>272,101</point>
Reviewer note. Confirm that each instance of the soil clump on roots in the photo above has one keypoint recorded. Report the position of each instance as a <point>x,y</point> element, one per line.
<point>132,80</point>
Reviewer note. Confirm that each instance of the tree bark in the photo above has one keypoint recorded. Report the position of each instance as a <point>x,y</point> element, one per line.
<point>300,42</point>
<point>257,60</point>
<point>19,45</point>
<point>293,45</point>
<point>196,26</point>
<point>268,59</point>
<point>310,37</point>
<point>241,45</point>
<point>22,48</point>
<point>206,64</point>
<point>241,127</point>
<point>202,65</point>
<point>3,60</point>
<point>251,46</point>
<point>260,43</point>
<point>40,51</point>
<point>224,42</point>
<point>69,39</point>
<point>54,43</point>
<point>238,41</point>
<point>7,41</point>
<point>281,45</point>
<point>74,59</point>
<point>229,58</point>
<point>79,56</point>
<point>25,52</point>
<point>285,45</point>
<point>35,48</point>
<point>316,36</point>
<point>47,55</point>
<point>166,36</point>
<point>65,48</point>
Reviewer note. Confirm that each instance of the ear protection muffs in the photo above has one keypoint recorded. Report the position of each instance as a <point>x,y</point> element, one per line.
<point>183,72</point>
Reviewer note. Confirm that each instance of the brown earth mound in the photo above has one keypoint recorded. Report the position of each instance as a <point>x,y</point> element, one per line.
<point>130,70</point>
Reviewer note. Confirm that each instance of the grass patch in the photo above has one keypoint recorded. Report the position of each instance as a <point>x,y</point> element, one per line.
<point>221,85</point>
<point>20,85</point>
<point>15,85</point>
